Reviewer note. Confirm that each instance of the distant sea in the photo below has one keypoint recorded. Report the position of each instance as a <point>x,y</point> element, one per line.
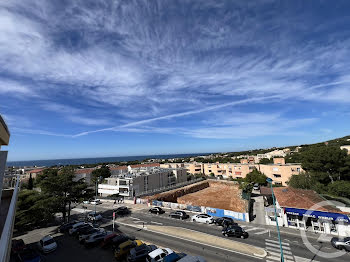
<point>82,161</point>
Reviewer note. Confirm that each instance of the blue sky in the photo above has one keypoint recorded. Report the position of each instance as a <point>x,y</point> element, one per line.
<point>113,78</point>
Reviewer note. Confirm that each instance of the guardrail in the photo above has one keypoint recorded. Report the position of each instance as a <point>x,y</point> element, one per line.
<point>6,236</point>
<point>162,189</point>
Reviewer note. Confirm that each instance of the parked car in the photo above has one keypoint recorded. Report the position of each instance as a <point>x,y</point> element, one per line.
<point>47,244</point>
<point>121,211</point>
<point>87,201</point>
<point>73,231</point>
<point>340,243</point>
<point>74,226</point>
<point>179,215</point>
<point>156,210</point>
<point>66,226</point>
<point>139,253</point>
<point>224,221</point>
<point>94,239</point>
<point>83,230</point>
<point>95,202</point>
<point>235,231</point>
<point>202,218</point>
<point>256,186</point>
<point>83,235</point>
<point>124,248</point>
<point>17,246</point>
<point>120,239</point>
<point>158,254</point>
<point>173,257</point>
<point>108,240</point>
<point>28,255</point>
<point>192,259</point>
<point>92,216</point>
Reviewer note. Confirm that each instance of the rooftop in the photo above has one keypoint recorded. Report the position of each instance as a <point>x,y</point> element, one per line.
<point>4,132</point>
<point>301,199</point>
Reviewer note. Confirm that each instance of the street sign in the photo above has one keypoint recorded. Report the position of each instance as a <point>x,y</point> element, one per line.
<point>113,215</point>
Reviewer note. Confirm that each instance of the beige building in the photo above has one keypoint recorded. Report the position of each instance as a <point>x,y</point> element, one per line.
<point>279,171</point>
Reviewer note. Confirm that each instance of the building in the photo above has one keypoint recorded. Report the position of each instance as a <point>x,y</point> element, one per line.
<point>84,174</point>
<point>139,180</point>
<point>346,147</point>
<point>306,210</point>
<point>34,173</point>
<point>279,171</point>
<point>8,197</point>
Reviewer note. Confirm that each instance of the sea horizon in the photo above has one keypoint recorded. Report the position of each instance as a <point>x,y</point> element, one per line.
<point>94,160</point>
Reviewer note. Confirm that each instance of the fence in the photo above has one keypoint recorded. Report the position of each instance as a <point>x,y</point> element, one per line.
<point>200,209</point>
<point>162,189</point>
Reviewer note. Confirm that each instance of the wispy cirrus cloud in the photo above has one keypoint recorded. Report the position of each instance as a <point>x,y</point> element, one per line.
<point>142,63</point>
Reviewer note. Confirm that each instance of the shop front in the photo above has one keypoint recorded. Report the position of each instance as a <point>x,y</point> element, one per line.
<point>317,221</point>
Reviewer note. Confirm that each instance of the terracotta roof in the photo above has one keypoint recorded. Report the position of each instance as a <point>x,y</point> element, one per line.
<point>118,168</point>
<point>302,199</point>
<point>266,191</point>
<point>36,170</point>
<point>84,170</point>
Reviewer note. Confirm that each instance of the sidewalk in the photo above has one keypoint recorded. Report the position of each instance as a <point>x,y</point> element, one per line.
<point>205,239</point>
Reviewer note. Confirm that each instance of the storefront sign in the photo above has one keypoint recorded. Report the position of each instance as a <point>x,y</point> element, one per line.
<point>318,214</point>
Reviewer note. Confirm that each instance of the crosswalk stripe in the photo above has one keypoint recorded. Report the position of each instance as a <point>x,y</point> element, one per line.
<point>276,242</point>
<point>251,229</point>
<point>279,259</point>
<point>262,232</point>
<point>277,254</point>
<point>277,245</point>
<point>277,249</point>
<point>303,259</point>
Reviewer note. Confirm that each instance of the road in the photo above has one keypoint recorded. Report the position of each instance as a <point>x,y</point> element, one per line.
<point>294,248</point>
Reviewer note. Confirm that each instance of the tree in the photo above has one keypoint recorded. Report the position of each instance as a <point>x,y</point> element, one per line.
<point>30,182</point>
<point>103,172</point>
<point>62,190</point>
<point>33,209</point>
<point>265,161</point>
<point>255,177</point>
<point>330,160</point>
<point>340,188</point>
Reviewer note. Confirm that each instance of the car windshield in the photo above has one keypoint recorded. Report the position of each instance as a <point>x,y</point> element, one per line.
<point>48,242</point>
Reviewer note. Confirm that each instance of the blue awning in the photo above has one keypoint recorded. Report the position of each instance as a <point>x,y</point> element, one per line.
<point>318,214</point>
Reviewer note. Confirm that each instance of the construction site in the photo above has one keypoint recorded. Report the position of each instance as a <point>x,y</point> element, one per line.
<point>209,193</point>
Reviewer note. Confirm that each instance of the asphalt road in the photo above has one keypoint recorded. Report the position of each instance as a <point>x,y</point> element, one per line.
<point>294,248</point>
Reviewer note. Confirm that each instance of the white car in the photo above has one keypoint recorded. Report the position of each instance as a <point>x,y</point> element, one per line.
<point>95,202</point>
<point>86,202</point>
<point>202,218</point>
<point>94,216</point>
<point>47,244</point>
<point>158,254</point>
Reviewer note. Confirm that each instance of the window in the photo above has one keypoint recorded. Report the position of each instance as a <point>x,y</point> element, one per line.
<point>276,175</point>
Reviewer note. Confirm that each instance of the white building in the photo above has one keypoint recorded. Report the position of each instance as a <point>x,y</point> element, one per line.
<point>139,180</point>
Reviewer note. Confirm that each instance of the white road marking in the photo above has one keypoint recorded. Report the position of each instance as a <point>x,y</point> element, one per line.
<point>139,221</point>
<point>156,223</point>
<point>251,229</point>
<point>277,254</point>
<point>262,232</point>
<point>277,246</point>
<point>276,242</point>
<point>303,259</point>
<point>277,249</point>
<point>135,218</point>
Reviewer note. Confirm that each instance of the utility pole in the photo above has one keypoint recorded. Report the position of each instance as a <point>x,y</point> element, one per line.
<point>269,180</point>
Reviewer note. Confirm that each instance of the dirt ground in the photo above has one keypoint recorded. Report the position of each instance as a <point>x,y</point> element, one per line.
<point>218,195</point>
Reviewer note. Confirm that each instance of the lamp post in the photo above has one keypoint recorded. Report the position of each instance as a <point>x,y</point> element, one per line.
<point>98,179</point>
<point>269,180</point>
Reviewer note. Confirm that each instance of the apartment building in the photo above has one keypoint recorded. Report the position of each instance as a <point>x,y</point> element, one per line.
<point>279,171</point>
<point>141,179</point>
<point>8,198</point>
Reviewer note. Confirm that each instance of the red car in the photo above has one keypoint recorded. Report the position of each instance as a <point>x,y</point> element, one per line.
<point>107,241</point>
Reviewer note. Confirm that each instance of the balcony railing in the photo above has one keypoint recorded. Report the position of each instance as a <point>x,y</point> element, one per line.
<point>6,235</point>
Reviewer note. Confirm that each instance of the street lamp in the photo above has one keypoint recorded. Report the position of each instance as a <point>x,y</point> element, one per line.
<point>98,179</point>
<point>269,180</point>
